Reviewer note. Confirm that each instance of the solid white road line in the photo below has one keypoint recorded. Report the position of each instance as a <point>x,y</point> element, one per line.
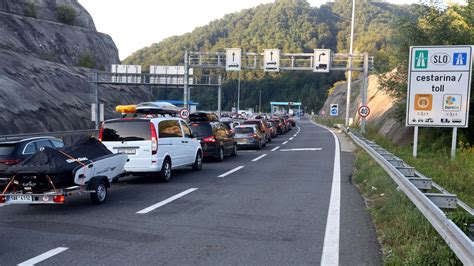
<point>231,171</point>
<point>276,148</point>
<point>284,142</point>
<point>166,201</point>
<point>302,149</point>
<point>43,256</point>
<point>291,138</point>
<point>330,254</point>
<point>259,157</point>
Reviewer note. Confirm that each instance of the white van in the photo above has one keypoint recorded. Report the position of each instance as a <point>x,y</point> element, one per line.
<point>153,145</point>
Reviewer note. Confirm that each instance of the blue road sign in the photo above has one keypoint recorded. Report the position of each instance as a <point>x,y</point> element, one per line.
<point>334,110</point>
<point>460,59</point>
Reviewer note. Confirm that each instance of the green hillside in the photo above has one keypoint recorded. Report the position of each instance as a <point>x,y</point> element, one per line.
<point>290,25</point>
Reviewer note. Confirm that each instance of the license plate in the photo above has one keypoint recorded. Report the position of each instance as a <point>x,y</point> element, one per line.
<point>242,141</point>
<point>127,151</point>
<point>21,198</point>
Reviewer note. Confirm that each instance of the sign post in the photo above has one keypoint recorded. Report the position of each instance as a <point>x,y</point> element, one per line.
<point>439,87</point>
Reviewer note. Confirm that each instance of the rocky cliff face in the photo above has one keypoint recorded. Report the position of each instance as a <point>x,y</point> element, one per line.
<point>42,84</point>
<point>381,106</point>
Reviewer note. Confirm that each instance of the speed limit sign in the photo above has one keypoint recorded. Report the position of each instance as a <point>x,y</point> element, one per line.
<point>184,113</point>
<point>364,111</point>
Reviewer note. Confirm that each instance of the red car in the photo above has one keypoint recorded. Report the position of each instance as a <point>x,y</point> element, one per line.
<point>261,125</point>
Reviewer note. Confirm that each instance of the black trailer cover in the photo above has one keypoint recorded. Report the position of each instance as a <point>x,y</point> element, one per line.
<point>59,164</point>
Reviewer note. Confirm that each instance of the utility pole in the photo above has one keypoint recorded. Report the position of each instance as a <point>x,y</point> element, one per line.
<point>349,81</point>
<point>186,81</point>
<point>238,94</point>
<point>260,102</point>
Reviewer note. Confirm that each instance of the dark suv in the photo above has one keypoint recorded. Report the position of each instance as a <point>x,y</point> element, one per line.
<point>16,150</point>
<point>216,139</point>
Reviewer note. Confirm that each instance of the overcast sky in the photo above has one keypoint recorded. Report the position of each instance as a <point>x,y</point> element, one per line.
<point>139,23</point>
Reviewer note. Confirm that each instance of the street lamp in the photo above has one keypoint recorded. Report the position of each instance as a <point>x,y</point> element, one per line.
<point>349,81</point>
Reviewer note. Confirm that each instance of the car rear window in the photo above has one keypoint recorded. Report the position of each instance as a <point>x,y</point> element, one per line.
<point>6,149</point>
<point>126,130</point>
<point>243,130</point>
<point>252,123</point>
<point>202,130</point>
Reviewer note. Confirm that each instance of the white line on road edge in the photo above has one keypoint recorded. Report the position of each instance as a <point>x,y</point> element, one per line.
<point>276,148</point>
<point>231,171</point>
<point>284,142</point>
<point>166,201</point>
<point>43,256</point>
<point>259,157</point>
<point>330,254</point>
<point>302,149</point>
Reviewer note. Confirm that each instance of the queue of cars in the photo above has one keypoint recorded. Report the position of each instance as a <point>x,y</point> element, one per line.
<point>156,140</point>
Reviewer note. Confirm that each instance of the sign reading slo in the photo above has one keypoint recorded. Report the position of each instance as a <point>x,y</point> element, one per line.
<point>439,86</point>
<point>271,60</point>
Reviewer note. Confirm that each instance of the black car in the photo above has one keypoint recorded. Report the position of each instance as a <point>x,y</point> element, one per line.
<point>15,151</point>
<point>216,139</point>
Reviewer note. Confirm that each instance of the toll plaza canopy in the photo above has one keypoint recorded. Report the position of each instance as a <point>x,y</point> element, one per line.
<point>286,106</point>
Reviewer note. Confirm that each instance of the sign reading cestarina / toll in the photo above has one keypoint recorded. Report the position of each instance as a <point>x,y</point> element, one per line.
<point>439,86</point>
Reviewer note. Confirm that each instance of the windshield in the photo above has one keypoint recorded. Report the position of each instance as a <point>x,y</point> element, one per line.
<point>127,130</point>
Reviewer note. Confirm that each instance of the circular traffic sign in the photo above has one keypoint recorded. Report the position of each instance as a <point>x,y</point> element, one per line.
<point>184,113</point>
<point>364,111</point>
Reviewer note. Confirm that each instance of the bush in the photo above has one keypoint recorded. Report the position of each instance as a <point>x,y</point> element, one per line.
<point>87,60</point>
<point>30,10</point>
<point>66,14</point>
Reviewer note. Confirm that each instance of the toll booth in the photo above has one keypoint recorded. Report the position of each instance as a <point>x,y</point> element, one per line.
<point>285,107</point>
<point>192,105</point>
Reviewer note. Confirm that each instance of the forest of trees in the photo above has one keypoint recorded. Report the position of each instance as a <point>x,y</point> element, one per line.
<point>292,26</point>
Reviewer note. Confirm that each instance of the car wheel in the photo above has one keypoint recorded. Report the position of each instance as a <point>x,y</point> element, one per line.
<point>259,147</point>
<point>100,193</point>
<point>165,173</point>
<point>197,166</point>
<point>270,139</point>
<point>220,156</point>
<point>234,151</point>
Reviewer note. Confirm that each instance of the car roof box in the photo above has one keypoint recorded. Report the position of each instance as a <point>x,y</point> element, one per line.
<point>161,108</point>
<point>203,117</point>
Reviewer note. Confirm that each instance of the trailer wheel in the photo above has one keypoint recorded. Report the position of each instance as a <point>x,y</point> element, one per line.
<point>100,194</point>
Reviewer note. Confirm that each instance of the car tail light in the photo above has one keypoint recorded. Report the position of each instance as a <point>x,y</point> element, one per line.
<point>101,131</point>
<point>10,162</point>
<point>255,136</point>
<point>210,139</point>
<point>58,199</point>
<point>154,139</point>
<point>2,199</point>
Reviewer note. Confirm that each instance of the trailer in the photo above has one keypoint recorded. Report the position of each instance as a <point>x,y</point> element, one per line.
<point>51,175</point>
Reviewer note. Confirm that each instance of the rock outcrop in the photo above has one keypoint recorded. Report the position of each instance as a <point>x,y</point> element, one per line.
<point>382,109</point>
<point>42,84</point>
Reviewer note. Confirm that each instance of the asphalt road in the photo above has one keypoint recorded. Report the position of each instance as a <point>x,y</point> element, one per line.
<point>271,211</point>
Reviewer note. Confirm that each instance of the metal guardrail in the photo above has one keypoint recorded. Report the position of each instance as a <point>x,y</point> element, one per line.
<point>53,134</point>
<point>414,184</point>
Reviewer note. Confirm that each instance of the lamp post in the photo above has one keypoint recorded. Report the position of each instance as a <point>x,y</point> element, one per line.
<point>349,81</point>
